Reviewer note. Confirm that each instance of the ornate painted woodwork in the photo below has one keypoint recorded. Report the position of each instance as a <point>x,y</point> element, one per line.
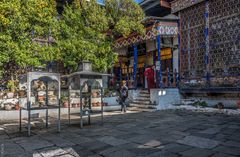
<point>163,28</point>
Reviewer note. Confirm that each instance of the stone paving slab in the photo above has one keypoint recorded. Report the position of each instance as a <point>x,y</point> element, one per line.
<point>228,150</point>
<point>222,155</point>
<point>157,134</point>
<point>175,148</point>
<point>141,139</point>
<point>162,154</point>
<point>211,131</point>
<point>197,152</point>
<point>52,151</point>
<point>199,142</point>
<point>112,140</point>
<point>231,144</point>
<point>71,151</point>
<point>58,141</point>
<point>120,153</point>
<point>33,144</point>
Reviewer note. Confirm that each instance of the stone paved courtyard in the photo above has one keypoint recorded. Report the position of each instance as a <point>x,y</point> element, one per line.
<point>152,134</point>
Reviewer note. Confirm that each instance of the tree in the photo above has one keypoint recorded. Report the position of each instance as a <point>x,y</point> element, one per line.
<point>20,22</point>
<point>85,27</point>
<point>125,17</point>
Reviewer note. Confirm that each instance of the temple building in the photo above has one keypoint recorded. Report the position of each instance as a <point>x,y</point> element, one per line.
<point>209,46</point>
<point>158,48</point>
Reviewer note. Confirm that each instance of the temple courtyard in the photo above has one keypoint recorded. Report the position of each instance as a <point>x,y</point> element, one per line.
<point>170,133</point>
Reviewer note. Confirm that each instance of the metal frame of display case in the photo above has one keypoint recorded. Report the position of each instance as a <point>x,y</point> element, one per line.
<point>85,80</point>
<point>45,77</point>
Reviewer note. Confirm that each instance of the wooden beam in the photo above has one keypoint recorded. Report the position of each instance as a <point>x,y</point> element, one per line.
<point>165,4</point>
<point>151,5</point>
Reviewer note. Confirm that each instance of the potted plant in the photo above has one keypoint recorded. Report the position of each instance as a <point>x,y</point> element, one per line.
<point>8,106</point>
<point>12,87</point>
<point>64,100</point>
<point>74,105</point>
<point>22,93</point>
<point>94,94</point>
<point>106,92</point>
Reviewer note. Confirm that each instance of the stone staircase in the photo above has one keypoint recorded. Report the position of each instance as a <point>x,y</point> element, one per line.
<point>142,103</point>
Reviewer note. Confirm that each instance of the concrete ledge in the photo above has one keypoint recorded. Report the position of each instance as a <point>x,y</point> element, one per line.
<point>14,114</point>
<point>165,97</point>
<point>213,101</point>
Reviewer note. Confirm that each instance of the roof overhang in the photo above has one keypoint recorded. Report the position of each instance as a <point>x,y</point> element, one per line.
<point>156,7</point>
<point>179,5</point>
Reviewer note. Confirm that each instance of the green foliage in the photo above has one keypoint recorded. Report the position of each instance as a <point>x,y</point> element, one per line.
<point>18,20</point>
<point>86,31</point>
<point>64,98</point>
<point>200,103</point>
<point>125,17</point>
<point>82,36</point>
<point>83,31</point>
<point>12,85</point>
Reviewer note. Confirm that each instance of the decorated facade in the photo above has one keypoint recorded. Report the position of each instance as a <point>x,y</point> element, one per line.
<point>158,48</point>
<point>209,45</point>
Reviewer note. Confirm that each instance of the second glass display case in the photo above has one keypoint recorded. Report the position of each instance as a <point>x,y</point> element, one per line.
<point>85,93</point>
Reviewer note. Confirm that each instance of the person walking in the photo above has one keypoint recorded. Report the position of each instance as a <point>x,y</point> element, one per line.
<point>123,96</point>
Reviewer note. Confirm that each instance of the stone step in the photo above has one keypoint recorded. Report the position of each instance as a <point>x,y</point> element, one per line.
<point>144,95</point>
<point>142,106</point>
<point>142,99</point>
<point>140,109</point>
<point>144,92</point>
<point>140,102</point>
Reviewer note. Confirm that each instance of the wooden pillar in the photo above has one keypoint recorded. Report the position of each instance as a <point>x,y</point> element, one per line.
<point>159,58</point>
<point>179,47</point>
<point>135,65</point>
<point>120,62</point>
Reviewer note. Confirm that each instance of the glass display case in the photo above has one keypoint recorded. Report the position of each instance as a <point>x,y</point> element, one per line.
<point>43,93</point>
<point>85,93</point>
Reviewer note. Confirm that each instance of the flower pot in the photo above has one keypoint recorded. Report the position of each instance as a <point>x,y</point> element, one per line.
<point>17,107</point>
<point>65,104</point>
<point>94,94</point>
<point>22,93</point>
<point>40,98</point>
<point>74,105</point>
<point>41,93</point>
<point>50,93</point>
<point>10,95</point>
<point>8,107</point>
<point>94,104</point>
